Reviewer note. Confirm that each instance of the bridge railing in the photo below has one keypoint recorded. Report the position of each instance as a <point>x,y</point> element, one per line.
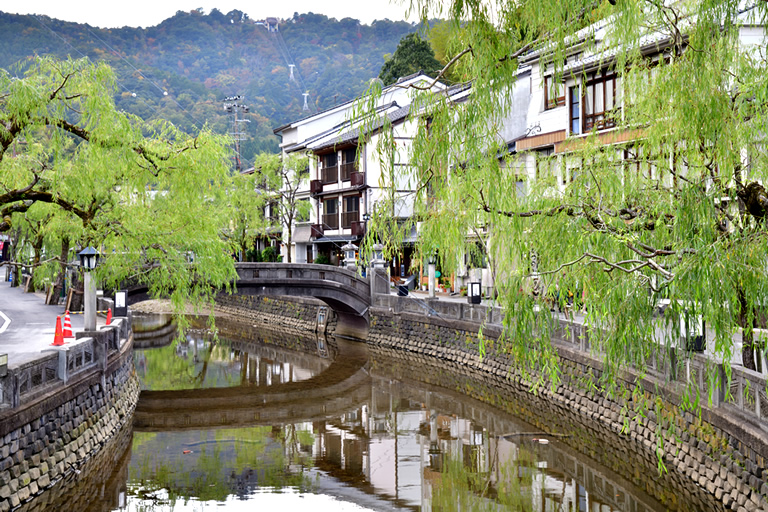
<point>302,272</point>
<point>90,351</point>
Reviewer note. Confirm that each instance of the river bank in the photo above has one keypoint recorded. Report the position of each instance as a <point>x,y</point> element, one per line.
<point>719,449</point>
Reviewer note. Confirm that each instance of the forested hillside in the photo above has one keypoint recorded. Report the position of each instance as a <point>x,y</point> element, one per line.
<point>183,68</point>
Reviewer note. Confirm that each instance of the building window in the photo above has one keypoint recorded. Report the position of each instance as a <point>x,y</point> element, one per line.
<point>331,213</point>
<point>575,99</point>
<point>553,93</point>
<point>330,171</point>
<point>602,94</point>
<point>351,211</point>
<point>348,163</point>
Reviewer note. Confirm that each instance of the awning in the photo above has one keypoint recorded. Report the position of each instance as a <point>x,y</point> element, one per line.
<point>302,234</point>
<point>336,239</point>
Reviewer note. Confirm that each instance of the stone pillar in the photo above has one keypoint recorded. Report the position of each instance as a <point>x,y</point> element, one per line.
<point>379,282</point>
<point>89,301</point>
<point>431,278</point>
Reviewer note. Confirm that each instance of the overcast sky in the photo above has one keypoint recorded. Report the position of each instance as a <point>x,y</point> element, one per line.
<point>147,13</point>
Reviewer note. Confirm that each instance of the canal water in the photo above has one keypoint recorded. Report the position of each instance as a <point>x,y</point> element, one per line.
<point>254,420</point>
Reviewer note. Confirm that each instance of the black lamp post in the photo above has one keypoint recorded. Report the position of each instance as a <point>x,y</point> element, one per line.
<point>89,258</point>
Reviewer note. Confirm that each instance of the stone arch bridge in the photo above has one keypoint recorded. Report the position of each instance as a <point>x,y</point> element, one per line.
<point>343,290</point>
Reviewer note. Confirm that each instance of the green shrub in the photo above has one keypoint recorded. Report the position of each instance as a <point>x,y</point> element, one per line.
<point>323,259</point>
<point>270,254</point>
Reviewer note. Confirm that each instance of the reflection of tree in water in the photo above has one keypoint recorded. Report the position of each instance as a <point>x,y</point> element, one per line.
<point>187,363</point>
<point>214,465</point>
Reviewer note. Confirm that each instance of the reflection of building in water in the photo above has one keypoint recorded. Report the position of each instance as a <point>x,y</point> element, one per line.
<point>398,448</point>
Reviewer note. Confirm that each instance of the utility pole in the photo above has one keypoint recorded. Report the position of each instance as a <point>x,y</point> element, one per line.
<point>232,105</point>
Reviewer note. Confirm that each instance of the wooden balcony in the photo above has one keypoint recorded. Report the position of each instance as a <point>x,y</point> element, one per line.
<point>347,169</point>
<point>358,179</point>
<point>358,228</point>
<point>329,175</point>
<point>331,221</point>
<point>347,218</point>
<point>317,231</point>
<point>315,187</point>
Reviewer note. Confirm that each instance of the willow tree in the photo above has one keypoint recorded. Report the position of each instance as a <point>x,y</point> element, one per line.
<point>149,197</point>
<point>669,211</point>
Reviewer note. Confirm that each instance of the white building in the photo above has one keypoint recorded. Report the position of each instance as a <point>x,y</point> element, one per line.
<point>347,180</point>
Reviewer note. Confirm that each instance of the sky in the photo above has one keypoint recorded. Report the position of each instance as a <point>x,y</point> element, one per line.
<point>147,13</point>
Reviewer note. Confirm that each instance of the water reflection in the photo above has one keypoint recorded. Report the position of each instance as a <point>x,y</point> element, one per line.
<point>251,419</point>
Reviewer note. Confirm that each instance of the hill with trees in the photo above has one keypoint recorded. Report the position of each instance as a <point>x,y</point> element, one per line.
<point>183,69</point>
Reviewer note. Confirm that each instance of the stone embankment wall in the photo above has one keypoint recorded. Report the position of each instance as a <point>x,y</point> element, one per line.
<point>291,314</point>
<point>719,454</point>
<point>58,427</point>
<point>717,459</point>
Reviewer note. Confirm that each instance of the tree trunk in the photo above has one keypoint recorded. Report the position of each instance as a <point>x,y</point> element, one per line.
<point>37,247</point>
<point>14,256</point>
<point>748,350</point>
<point>747,333</point>
<point>77,293</point>
<point>58,285</point>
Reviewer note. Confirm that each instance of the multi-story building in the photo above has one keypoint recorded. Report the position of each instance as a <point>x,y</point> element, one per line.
<point>348,175</point>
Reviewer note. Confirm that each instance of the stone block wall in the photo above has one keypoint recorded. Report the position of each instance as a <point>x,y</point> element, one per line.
<point>47,441</point>
<point>716,459</point>
<point>293,315</point>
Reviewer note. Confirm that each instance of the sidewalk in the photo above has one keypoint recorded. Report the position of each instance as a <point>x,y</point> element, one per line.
<point>27,325</point>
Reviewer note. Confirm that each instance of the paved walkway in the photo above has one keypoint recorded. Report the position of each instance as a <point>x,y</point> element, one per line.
<point>27,325</point>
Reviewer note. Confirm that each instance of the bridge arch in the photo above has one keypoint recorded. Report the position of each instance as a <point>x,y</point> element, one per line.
<point>348,294</point>
<point>343,290</point>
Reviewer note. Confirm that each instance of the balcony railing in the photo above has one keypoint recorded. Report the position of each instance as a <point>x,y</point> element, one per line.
<point>331,221</point>
<point>358,228</point>
<point>347,218</point>
<point>347,169</point>
<point>317,230</point>
<point>329,175</point>
<point>358,179</point>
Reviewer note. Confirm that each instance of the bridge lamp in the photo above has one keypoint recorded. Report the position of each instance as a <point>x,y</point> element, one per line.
<point>378,260</point>
<point>89,258</point>
<point>350,256</point>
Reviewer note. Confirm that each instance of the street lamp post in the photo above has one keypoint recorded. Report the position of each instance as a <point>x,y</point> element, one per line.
<point>89,258</point>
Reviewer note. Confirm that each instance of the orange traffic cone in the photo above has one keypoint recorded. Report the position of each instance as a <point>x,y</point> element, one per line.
<point>67,326</point>
<point>58,337</point>
<point>109,316</point>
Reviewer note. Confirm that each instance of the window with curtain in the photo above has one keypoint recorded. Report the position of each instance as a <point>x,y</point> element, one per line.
<point>601,99</point>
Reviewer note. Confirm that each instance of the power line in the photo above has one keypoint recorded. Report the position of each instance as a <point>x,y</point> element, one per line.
<point>133,94</point>
<point>162,90</point>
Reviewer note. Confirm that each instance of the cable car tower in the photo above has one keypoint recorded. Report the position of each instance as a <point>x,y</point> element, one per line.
<point>233,105</point>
